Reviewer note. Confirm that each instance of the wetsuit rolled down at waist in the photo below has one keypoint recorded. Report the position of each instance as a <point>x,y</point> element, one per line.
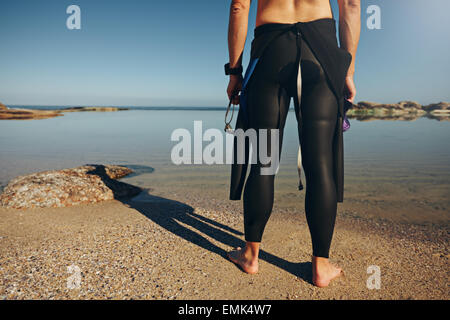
<point>300,61</point>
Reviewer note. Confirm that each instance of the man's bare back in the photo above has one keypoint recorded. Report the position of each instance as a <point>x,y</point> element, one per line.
<point>291,11</point>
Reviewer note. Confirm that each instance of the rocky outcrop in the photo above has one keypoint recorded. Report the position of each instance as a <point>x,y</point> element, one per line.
<point>441,107</point>
<point>29,114</point>
<point>409,106</point>
<point>98,109</point>
<point>401,110</point>
<point>3,107</point>
<point>405,106</point>
<point>63,188</point>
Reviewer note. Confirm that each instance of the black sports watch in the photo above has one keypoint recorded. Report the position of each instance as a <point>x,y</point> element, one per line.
<point>229,70</point>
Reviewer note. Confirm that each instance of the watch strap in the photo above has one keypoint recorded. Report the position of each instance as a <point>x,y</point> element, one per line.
<point>228,70</point>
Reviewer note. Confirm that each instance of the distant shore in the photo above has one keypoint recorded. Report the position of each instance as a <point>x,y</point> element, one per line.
<point>363,110</point>
<point>30,114</point>
<point>403,110</point>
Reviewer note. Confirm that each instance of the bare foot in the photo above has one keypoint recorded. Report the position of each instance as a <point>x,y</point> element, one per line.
<point>247,264</point>
<point>324,272</point>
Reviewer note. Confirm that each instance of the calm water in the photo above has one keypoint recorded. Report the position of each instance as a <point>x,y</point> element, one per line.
<point>397,170</point>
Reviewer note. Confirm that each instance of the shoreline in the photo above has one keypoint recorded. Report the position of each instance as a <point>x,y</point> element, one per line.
<point>37,114</point>
<point>161,246</point>
<point>362,111</point>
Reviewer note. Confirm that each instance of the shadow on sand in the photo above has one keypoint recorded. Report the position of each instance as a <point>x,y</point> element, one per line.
<point>171,214</point>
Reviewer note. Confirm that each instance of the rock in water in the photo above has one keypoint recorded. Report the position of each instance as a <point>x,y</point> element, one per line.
<point>63,188</point>
<point>441,106</point>
<point>3,107</point>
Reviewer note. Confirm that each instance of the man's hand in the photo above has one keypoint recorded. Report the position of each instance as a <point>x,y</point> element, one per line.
<point>349,88</point>
<point>234,87</point>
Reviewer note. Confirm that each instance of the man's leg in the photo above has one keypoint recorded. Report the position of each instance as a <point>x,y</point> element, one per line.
<point>319,116</point>
<point>268,104</point>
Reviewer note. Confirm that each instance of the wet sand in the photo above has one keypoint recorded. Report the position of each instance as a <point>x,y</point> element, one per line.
<point>172,244</point>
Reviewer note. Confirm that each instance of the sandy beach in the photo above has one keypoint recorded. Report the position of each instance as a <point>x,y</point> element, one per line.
<point>165,245</point>
<point>116,154</point>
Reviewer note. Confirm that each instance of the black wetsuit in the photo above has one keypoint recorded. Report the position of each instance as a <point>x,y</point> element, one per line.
<point>289,68</point>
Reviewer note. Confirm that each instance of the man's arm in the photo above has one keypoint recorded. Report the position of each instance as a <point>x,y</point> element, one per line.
<point>349,31</point>
<point>349,28</point>
<point>237,33</point>
<point>237,30</point>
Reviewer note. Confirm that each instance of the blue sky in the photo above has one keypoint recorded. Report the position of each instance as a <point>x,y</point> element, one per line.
<point>166,53</point>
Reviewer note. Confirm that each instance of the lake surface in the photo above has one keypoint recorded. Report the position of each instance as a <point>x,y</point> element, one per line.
<point>395,170</point>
